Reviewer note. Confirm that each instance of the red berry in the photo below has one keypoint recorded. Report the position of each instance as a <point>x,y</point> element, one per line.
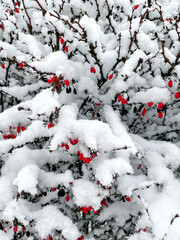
<point>85,210</point>
<point>18,129</point>
<point>62,40</point>
<point>139,167</point>
<point>21,65</point>
<point>24,229</point>
<point>88,160</point>
<point>92,70</point>
<point>54,189</point>
<point>119,97</point>
<point>4,136</point>
<point>66,82</point>
<point>97,104</point>
<point>89,208</point>
<point>144,230</point>
<point>67,146</point>
<point>150,104</point>
<point>123,101</point>
<point>2,27</point>
<point>23,128</point>
<point>81,238</point>
<point>144,111</point>
<point>81,208</point>
<point>2,65</point>
<point>160,114</point>
<point>81,156</point>
<point>136,7</point>
<point>76,141</point>
<point>13,136</point>
<point>71,141</point>
<point>15,3</point>
<point>50,238</point>
<point>170,83</point>
<point>67,198</point>
<point>177,95</point>
<point>128,199</point>
<point>160,105</point>
<point>95,212</point>
<point>66,49</point>
<point>110,76</point>
<point>15,229</point>
<point>78,153</point>
<point>63,145</point>
<point>50,125</point>
<point>53,79</point>
<point>17,10</point>
<point>49,81</point>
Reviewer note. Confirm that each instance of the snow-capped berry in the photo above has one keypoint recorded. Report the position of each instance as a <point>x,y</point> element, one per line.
<point>119,97</point>
<point>2,65</point>
<point>67,198</point>
<point>160,114</point>
<point>136,7</point>
<point>62,40</point>
<point>110,76</point>
<point>128,199</point>
<point>92,70</point>
<point>49,81</point>
<point>17,10</point>
<point>170,83</point>
<point>66,82</point>
<point>21,65</point>
<point>15,229</point>
<point>23,128</point>
<point>160,105</point>
<point>144,111</point>
<point>66,49</point>
<point>150,104</point>
<point>177,95</point>
<point>123,101</point>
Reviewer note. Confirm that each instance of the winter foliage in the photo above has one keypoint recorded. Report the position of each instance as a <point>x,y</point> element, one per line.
<point>89,119</point>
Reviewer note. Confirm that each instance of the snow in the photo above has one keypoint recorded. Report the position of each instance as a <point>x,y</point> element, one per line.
<point>27,179</point>
<point>86,193</point>
<point>49,219</point>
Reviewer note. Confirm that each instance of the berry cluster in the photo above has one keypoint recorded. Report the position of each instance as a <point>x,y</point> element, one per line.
<point>63,42</point>
<point>86,159</point>
<point>12,135</point>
